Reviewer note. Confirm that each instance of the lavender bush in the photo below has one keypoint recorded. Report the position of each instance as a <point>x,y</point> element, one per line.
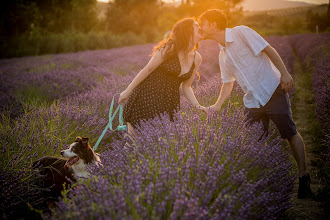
<point>310,47</point>
<point>41,80</point>
<point>192,168</point>
<point>284,49</point>
<point>196,167</point>
<point>321,89</point>
<point>314,50</point>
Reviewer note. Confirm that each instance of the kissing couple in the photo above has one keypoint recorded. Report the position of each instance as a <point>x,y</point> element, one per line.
<point>244,56</point>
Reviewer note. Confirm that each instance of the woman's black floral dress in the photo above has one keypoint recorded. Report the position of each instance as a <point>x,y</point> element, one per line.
<point>158,93</point>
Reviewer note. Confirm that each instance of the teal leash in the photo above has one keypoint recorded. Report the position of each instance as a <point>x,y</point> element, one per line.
<point>121,126</point>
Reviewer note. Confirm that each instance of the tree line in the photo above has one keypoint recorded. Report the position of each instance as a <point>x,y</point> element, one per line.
<point>33,27</point>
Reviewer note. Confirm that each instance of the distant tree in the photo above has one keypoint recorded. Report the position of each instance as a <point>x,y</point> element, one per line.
<point>222,4</point>
<point>84,15</point>
<point>59,15</point>
<point>138,16</point>
<point>18,16</point>
<point>329,12</point>
<point>196,7</point>
<point>316,20</point>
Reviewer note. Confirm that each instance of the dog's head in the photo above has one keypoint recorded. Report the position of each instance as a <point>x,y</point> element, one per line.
<point>79,151</point>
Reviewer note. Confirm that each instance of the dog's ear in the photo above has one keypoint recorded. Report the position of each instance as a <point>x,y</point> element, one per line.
<point>85,140</point>
<point>78,139</point>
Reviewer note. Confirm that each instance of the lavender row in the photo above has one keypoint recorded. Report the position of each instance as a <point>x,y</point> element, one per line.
<point>310,47</point>
<point>47,130</point>
<point>192,168</point>
<point>284,49</point>
<point>41,80</point>
<point>321,89</point>
<point>83,113</point>
<point>314,51</point>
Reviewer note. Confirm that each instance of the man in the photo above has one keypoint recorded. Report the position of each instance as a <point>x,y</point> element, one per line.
<point>246,57</point>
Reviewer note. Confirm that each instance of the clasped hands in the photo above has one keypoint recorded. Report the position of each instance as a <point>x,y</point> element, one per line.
<point>212,108</point>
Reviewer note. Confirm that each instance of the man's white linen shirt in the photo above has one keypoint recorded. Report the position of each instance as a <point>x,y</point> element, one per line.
<point>242,59</point>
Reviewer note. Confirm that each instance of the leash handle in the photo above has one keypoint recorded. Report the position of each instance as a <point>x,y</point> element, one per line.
<point>121,126</point>
<point>120,108</point>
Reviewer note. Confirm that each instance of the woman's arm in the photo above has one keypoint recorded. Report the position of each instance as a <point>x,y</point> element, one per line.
<point>154,62</point>
<point>286,79</point>
<point>186,85</point>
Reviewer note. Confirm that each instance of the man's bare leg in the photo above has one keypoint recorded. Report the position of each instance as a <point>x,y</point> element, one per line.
<point>298,150</point>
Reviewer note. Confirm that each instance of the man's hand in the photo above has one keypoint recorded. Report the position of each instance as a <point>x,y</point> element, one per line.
<point>199,107</point>
<point>214,108</point>
<point>286,82</point>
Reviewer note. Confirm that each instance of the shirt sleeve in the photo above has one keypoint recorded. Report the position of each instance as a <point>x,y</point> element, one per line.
<point>227,78</point>
<point>226,74</point>
<point>252,39</point>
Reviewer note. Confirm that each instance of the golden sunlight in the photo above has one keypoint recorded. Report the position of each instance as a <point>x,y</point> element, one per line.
<point>166,1</point>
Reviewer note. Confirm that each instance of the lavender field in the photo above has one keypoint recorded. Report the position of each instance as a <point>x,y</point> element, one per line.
<point>197,167</point>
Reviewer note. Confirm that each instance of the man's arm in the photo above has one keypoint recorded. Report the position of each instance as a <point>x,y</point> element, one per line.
<point>226,89</point>
<point>286,79</point>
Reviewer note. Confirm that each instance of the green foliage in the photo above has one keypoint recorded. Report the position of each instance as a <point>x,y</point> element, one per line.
<point>38,43</point>
<point>322,21</point>
<point>288,21</point>
<point>17,16</point>
<point>38,27</point>
<point>20,16</point>
<point>137,16</point>
<point>33,95</point>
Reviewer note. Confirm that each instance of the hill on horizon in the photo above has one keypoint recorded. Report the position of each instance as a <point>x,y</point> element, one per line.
<point>260,5</point>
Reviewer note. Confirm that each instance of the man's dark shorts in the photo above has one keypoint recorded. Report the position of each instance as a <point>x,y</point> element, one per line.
<point>277,109</point>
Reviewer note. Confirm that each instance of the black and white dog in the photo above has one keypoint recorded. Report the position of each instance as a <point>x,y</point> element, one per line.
<point>59,173</point>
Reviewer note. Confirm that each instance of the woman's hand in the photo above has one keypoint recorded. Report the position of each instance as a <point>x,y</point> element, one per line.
<point>204,109</point>
<point>124,96</point>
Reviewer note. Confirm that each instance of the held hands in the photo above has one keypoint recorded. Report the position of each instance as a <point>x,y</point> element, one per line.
<point>212,108</point>
<point>199,107</point>
<point>286,82</point>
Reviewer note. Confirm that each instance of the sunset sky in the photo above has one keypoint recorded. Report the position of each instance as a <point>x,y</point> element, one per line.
<point>257,5</point>
<point>308,1</point>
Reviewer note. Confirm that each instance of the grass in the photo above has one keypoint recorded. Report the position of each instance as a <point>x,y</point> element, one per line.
<point>304,108</point>
<point>305,118</point>
<point>38,43</point>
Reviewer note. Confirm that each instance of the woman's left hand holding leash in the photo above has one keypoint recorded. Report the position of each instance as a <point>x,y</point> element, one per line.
<point>123,96</point>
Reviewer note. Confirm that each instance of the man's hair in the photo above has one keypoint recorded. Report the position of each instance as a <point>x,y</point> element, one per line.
<point>217,16</point>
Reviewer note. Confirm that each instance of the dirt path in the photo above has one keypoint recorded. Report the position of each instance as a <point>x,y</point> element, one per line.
<point>306,121</point>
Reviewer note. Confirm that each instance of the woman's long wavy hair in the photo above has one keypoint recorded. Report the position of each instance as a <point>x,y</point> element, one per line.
<point>179,39</point>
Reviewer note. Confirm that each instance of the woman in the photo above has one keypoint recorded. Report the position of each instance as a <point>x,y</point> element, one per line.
<point>155,90</point>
